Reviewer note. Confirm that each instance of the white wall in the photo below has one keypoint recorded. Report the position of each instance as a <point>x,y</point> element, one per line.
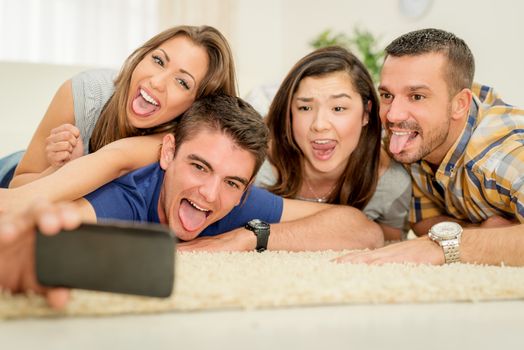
<point>273,34</point>
<point>26,89</point>
<point>268,36</point>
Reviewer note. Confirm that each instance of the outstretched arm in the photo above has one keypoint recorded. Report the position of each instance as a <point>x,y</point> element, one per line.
<point>17,235</point>
<point>304,226</point>
<point>492,246</point>
<point>85,174</point>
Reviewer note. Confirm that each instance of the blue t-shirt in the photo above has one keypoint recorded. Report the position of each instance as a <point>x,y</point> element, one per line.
<point>134,197</point>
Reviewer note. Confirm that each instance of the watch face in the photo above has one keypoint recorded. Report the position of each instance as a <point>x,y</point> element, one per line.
<point>447,230</point>
<point>258,224</point>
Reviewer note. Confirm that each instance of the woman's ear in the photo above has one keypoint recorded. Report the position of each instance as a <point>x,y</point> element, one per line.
<point>167,152</point>
<point>367,110</point>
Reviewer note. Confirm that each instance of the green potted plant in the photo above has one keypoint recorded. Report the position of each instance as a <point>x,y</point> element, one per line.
<point>363,43</point>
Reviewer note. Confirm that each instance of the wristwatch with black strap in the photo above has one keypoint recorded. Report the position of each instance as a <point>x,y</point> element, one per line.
<point>447,234</point>
<point>261,231</point>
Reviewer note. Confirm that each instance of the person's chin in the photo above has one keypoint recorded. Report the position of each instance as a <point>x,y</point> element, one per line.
<point>406,156</point>
<point>187,236</point>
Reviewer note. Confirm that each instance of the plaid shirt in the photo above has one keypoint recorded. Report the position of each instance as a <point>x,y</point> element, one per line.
<point>483,173</point>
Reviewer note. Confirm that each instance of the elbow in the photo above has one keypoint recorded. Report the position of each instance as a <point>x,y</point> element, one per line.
<point>375,236</point>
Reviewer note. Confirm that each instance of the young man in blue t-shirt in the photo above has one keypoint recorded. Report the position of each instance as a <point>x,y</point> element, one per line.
<point>204,170</point>
<point>201,186</point>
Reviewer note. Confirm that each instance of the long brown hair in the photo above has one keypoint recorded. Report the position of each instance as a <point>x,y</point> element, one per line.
<point>358,182</point>
<point>220,78</point>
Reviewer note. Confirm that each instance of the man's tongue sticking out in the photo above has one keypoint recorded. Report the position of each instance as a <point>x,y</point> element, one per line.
<point>397,142</point>
<point>190,217</point>
<point>142,107</point>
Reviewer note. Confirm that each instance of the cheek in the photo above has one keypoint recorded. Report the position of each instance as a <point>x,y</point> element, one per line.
<point>139,71</point>
<point>300,128</point>
<point>178,103</point>
<point>350,134</point>
<point>229,201</point>
<point>349,128</point>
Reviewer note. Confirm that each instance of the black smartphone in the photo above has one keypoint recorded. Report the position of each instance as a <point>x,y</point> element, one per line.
<point>119,257</point>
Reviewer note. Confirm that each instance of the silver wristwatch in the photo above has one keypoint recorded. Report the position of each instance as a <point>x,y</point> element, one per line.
<point>447,234</point>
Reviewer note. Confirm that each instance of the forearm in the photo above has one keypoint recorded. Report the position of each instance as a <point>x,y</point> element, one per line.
<point>336,228</point>
<point>26,178</point>
<point>422,227</point>
<point>75,179</point>
<point>493,246</point>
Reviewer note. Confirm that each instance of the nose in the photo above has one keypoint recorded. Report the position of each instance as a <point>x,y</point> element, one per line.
<point>395,112</point>
<point>210,189</point>
<point>320,121</point>
<point>158,81</point>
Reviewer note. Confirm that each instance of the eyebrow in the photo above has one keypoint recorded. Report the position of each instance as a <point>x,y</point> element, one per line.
<point>409,88</point>
<point>419,87</point>
<point>309,99</point>
<point>242,180</point>
<point>181,69</point>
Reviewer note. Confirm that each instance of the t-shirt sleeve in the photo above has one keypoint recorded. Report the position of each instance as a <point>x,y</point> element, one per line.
<point>390,202</point>
<point>266,175</point>
<point>91,90</point>
<point>257,204</point>
<point>113,201</point>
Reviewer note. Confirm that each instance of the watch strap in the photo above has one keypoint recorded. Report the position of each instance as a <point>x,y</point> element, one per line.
<point>261,230</point>
<point>262,239</point>
<point>451,250</point>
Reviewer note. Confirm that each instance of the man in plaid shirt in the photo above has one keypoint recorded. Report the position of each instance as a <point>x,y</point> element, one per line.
<point>464,148</point>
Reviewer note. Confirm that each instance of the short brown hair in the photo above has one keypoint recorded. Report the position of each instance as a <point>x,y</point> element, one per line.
<point>229,115</point>
<point>461,68</point>
<point>220,78</point>
<point>357,184</point>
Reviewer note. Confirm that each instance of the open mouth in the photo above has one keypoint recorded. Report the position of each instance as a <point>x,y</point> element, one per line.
<point>398,140</point>
<point>144,104</point>
<point>323,148</point>
<point>192,216</point>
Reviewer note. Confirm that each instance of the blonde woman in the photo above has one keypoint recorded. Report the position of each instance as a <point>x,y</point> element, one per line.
<point>111,125</point>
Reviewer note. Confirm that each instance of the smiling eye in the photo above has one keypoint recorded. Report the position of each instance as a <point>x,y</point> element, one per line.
<point>198,167</point>
<point>158,60</point>
<point>232,184</point>
<point>183,83</point>
<point>386,96</point>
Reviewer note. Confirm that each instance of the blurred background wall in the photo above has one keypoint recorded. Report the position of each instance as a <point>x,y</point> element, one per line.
<point>267,36</point>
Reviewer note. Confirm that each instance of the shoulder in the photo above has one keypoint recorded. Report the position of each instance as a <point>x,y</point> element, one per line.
<point>390,202</point>
<point>96,82</point>
<point>395,180</point>
<point>266,175</point>
<point>497,138</point>
<point>96,75</point>
<point>133,196</point>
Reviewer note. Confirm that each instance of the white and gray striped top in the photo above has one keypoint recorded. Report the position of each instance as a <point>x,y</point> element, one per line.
<point>91,90</point>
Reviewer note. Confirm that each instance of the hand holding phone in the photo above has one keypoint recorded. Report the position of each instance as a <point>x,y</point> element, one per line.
<point>130,258</point>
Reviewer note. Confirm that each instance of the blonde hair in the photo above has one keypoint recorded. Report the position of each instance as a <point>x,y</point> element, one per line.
<point>220,78</point>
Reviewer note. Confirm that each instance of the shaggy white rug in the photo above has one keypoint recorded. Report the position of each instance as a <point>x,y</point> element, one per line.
<point>276,279</point>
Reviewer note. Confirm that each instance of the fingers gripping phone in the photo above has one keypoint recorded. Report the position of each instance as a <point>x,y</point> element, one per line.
<point>130,258</point>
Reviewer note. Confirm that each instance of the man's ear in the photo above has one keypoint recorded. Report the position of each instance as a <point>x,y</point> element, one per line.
<point>460,104</point>
<point>167,153</point>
